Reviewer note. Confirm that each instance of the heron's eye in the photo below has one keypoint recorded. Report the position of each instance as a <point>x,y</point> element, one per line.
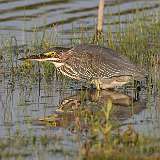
<point>50,53</point>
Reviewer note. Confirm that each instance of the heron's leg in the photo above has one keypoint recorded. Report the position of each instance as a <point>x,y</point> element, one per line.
<point>97,83</point>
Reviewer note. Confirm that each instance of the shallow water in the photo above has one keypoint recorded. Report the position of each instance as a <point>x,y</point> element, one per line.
<point>20,18</point>
<point>23,101</point>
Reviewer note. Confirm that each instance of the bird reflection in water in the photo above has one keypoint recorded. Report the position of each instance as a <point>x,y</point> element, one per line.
<point>94,97</point>
<point>91,102</point>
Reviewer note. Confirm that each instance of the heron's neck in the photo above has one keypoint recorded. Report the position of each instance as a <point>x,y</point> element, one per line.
<point>58,64</point>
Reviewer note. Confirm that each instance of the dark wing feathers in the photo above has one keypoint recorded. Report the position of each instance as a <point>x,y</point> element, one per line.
<point>95,61</point>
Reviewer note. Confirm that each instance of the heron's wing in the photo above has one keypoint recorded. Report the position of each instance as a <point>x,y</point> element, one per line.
<point>95,61</point>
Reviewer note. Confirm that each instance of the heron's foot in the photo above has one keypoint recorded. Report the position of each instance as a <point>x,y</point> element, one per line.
<point>97,83</point>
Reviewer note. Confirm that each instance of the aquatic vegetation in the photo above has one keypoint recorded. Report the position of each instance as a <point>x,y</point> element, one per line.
<point>21,146</point>
<point>107,142</point>
<point>93,122</point>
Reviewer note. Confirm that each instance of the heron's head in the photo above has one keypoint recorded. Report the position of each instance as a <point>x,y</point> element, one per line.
<point>56,56</point>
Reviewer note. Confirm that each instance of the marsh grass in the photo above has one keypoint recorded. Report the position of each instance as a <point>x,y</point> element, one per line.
<point>26,146</point>
<point>140,43</point>
<point>106,142</point>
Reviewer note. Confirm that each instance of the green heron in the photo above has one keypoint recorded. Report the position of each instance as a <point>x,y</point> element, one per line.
<point>101,66</point>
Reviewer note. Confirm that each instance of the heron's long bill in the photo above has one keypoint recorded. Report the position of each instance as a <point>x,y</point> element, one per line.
<point>54,54</point>
<point>41,58</point>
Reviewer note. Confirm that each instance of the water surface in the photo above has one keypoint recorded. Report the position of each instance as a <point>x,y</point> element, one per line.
<point>25,99</point>
<point>20,18</point>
